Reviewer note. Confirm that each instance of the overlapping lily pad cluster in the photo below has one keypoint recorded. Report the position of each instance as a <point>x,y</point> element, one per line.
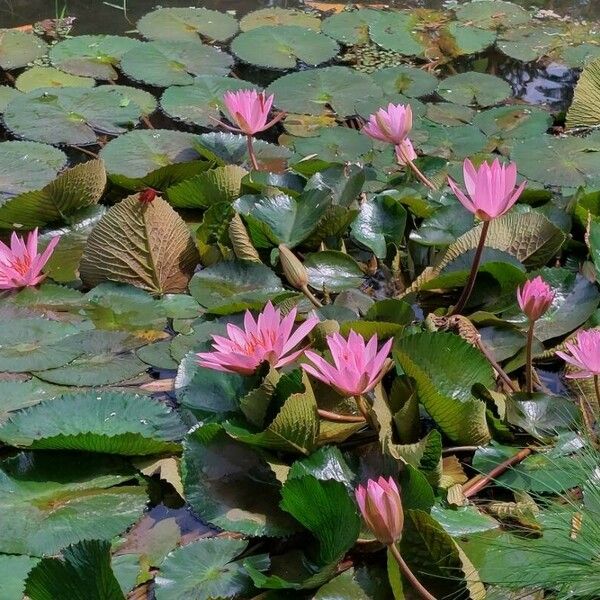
<point>160,231</point>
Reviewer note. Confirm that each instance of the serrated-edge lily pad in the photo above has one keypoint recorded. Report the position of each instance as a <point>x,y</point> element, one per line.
<point>7,94</point>
<point>18,49</point>
<point>164,63</point>
<point>275,16</point>
<point>318,91</point>
<point>188,24</point>
<point>474,88</point>
<point>585,110</point>
<point>91,55</point>
<point>105,422</point>
<point>48,77</point>
<point>26,166</point>
<point>202,102</point>
<point>69,116</point>
<point>282,47</point>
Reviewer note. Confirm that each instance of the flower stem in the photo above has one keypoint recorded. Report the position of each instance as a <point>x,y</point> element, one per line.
<point>501,372</point>
<point>339,418</point>
<point>529,360</point>
<point>416,584</point>
<point>597,388</point>
<point>363,407</point>
<point>419,174</point>
<point>314,300</point>
<point>251,153</point>
<point>466,293</point>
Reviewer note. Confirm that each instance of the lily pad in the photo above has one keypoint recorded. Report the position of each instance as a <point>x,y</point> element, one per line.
<point>527,43</point>
<point>165,63</point>
<point>318,91</point>
<point>351,27</point>
<point>133,158</point>
<point>70,116</point>
<point>396,32</point>
<point>18,49</point>
<point>460,39</point>
<point>332,270</point>
<point>90,492</point>
<point>335,145</point>
<point>508,122</point>
<point>103,422</point>
<point>453,143</point>
<point>474,88</point>
<point>187,24</point>
<point>492,14</point>
<point>49,77</point>
<point>7,94</point>
<point>91,55</point>
<point>584,110</point>
<point>145,100</point>
<point>26,166</point>
<point>409,81</point>
<point>201,103</point>
<point>448,114</point>
<point>274,17</point>
<point>283,47</point>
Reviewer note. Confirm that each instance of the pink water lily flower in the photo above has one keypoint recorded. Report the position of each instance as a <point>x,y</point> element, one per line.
<point>381,508</point>
<point>491,189</point>
<point>269,338</point>
<point>535,298</point>
<point>583,354</point>
<point>358,365</point>
<point>20,264</point>
<point>391,124</point>
<point>405,153</point>
<point>249,110</point>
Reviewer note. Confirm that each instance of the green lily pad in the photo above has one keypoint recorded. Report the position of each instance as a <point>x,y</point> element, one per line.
<point>518,122</point>
<point>164,63</point>
<point>13,574</point>
<point>554,161</point>
<point>275,17</point>
<point>7,94</point>
<point>16,395</point>
<point>409,81</point>
<point>87,491</point>
<point>283,47</point>
<point>463,39</point>
<point>104,422</point>
<point>202,102</point>
<point>396,32</point>
<point>443,227</point>
<point>492,14</point>
<point>333,271</point>
<point>91,55</point>
<point>579,56</point>
<point>26,166</point>
<point>70,116</point>
<point>448,114</point>
<point>318,91</point>
<point>527,43</point>
<point>351,27</point>
<point>133,158</point>
<point>49,77</point>
<point>143,99</point>
<point>187,24</point>
<point>453,143</point>
<point>474,88</point>
<point>335,145</point>
<point>229,287</point>
<point>18,49</point>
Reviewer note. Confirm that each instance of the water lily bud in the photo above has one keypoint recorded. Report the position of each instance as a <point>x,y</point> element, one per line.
<point>535,298</point>
<point>381,508</point>
<point>294,271</point>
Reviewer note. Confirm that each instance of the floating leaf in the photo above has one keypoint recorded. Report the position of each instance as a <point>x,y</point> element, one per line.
<point>82,573</point>
<point>201,103</point>
<point>509,122</point>
<point>283,46</point>
<point>443,227</point>
<point>6,95</point>
<point>335,145</point>
<point>232,286</point>
<point>206,569</point>
<point>492,14</point>
<point>18,49</point>
<point>13,574</point>
<point>165,63</point>
<point>474,88</point>
<point>445,367</point>
<point>448,114</point>
<point>151,158</point>
<point>230,486</point>
<point>584,110</point>
<point>527,44</point>
<point>48,77</point>
<point>69,116</point>
<point>453,143</point>
<point>409,81</point>
<point>74,189</point>
<point>26,166</point>
<point>273,17</point>
<point>333,271</point>
<point>105,422</point>
<point>22,394</point>
<point>351,27</point>
<point>397,32</point>
<point>173,24</point>
<point>91,55</point>
<point>458,39</point>
<point>316,91</point>
<point>144,100</point>
<point>154,251</point>
<point>88,492</point>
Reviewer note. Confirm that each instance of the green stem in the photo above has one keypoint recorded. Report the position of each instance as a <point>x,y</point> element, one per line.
<point>410,576</point>
<point>363,407</point>
<point>529,360</point>
<point>251,153</point>
<point>466,293</point>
